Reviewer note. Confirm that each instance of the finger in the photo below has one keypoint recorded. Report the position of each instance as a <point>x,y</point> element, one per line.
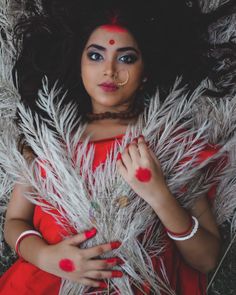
<point>92,283</point>
<point>154,157</point>
<point>134,152</point>
<point>80,238</point>
<point>100,264</point>
<point>126,159</point>
<point>143,148</point>
<point>99,275</point>
<point>121,168</point>
<point>99,250</point>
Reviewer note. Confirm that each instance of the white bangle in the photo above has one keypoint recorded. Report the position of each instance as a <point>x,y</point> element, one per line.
<point>190,235</point>
<point>23,235</point>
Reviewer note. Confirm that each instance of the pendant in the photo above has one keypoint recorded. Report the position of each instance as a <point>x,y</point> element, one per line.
<point>122,202</point>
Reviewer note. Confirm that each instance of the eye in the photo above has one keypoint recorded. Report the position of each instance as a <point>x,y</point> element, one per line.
<point>128,58</point>
<point>95,56</point>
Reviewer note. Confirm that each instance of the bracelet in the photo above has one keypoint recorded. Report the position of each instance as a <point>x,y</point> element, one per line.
<point>23,235</point>
<point>184,233</point>
<point>188,236</point>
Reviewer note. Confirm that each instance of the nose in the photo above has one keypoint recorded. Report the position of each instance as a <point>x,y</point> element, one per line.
<point>110,69</point>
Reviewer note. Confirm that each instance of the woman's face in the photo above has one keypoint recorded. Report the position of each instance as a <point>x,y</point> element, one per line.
<point>111,68</point>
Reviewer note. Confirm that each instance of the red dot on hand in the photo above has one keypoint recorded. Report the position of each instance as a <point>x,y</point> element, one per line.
<point>111,41</point>
<point>143,174</point>
<point>67,265</point>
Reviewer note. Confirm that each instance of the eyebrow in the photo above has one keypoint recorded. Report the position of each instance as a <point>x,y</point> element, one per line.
<point>122,49</point>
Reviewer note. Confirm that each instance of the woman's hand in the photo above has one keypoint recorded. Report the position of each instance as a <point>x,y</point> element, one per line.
<point>142,171</point>
<point>67,260</point>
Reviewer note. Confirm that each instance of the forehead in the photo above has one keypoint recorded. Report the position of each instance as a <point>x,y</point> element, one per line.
<point>102,36</point>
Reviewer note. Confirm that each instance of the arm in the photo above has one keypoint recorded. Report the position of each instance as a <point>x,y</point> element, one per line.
<point>19,218</point>
<point>85,268</point>
<point>202,250</point>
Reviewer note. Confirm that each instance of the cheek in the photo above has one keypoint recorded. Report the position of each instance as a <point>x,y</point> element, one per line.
<point>136,78</point>
<point>89,77</point>
<point>67,265</point>
<point>88,70</point>
<point>143,174</point>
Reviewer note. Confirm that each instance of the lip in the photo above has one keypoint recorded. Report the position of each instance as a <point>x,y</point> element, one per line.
<point>108,87</point>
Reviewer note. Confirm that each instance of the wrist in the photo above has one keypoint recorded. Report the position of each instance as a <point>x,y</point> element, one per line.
<point>160,198</point>
<point>42,256</point>
<point>31,248</point>
<point>25,234</point>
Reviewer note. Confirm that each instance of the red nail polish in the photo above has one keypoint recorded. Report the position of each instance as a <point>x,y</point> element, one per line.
<point>118,156</point>
<point>115,245</point>
<point>128,145</point>
<point>103,285</point>
<point>141,136</point>
<point>120,261</point>
<point>115,260</point>
<point>111,260</point>
<point>135,140</point>
<point>116,274</point>
<point>90,233</point>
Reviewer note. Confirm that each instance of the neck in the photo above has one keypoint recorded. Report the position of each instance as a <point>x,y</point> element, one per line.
<point>122,114</point>
<point>126,107</point>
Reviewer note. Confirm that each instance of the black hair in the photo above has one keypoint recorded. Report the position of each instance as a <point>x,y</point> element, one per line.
<point>172,35</point>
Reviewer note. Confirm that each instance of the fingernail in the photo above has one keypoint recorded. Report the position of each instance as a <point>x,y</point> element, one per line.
<point>115,260</point>
<point>120,261</point>
<point>115,245</point>
<point>141,136</point>
<point>103,285</point>
<point>135,140</point>
<point>90,233</point>
<point>116,274</point>
<point>118,156</point>
<point>112,260</point>
<point>128,145</point>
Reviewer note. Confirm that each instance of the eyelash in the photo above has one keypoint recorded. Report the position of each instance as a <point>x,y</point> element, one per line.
<point>127,59</point>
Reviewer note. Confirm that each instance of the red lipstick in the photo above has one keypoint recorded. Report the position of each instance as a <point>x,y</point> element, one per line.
<point>108,87</point>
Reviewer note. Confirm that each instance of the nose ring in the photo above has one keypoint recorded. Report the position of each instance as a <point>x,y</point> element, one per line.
<point>121,83</point>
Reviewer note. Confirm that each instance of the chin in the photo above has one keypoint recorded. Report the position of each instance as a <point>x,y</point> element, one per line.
<point>109,102</point>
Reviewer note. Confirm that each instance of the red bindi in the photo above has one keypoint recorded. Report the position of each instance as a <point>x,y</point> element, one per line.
<point>111,41</point>
<point>67,265</point>
<point>143,174</point>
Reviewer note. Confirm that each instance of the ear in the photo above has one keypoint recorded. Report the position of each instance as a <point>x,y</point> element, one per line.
<point>143,81</point>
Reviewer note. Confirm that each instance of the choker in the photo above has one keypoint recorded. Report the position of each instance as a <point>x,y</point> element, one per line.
<point>112,115</point>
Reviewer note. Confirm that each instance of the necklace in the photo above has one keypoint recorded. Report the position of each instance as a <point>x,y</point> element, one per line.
<point>134,112</point>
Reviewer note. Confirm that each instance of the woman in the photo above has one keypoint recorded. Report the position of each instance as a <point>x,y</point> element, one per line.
<point>116,68</point>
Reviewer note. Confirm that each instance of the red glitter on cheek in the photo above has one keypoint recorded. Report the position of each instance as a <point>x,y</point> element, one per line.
<point>143,174</point>
<point>67,265</point>
<point>111,41</point>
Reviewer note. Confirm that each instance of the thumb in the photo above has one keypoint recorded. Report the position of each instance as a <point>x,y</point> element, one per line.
<point>80,238</point>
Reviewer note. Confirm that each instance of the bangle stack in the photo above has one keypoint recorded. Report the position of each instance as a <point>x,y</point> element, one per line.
<point>186,235</point>
<point>23,235</point>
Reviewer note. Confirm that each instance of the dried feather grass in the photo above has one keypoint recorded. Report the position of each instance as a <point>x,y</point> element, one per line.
<point>176,130</point>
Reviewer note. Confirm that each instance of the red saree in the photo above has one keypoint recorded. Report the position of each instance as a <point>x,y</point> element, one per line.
<point>25,279</point>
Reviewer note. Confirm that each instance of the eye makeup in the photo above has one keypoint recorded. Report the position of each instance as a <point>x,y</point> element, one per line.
<point>94,56</point>
<point>128,58</point>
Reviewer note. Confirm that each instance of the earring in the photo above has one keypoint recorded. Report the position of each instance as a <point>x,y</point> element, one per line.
<point>144,80</point>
